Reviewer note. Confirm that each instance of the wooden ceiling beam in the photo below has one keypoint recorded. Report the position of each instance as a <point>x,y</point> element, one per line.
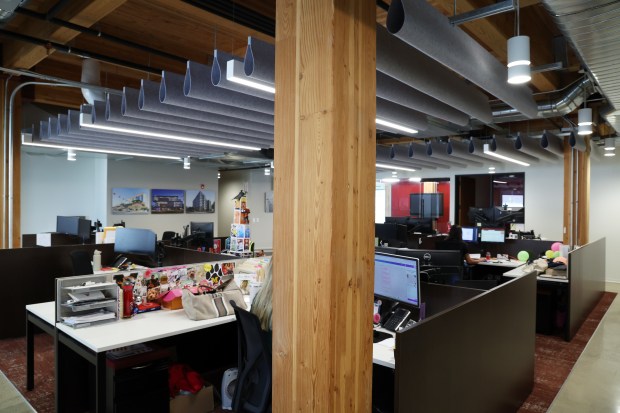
<point>24,56</point>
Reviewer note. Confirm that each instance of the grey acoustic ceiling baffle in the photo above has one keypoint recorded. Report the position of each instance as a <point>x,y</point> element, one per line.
<point>441,148</point>
<point>552,143</point>
<point>392,112</point>
<point>577,142</point>
<point>391,89</point>
<point>97,120</point>
<point>148,99</point>
<point>197,84</point>
<point>460,149</point>
<point>113,114</point>
<point>422,149</point>
<point>218,77</point>
<point>68,126</point>
<point>386,160</point>
<point>260,60</point>
<point>532,146</point>
<point>171,93</point>
<point>505,146</point>
<point>423,27</point>
<point>401,153</point>
<point>427,76</point>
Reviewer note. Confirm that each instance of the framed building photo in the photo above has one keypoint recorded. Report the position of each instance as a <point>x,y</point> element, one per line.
<point>130,201</point>
<point>167,201</point>
<point>199,202</point>
<point>269,201</point>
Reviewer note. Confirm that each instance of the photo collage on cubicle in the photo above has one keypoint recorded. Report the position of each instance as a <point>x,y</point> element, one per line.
<point>139,201</point>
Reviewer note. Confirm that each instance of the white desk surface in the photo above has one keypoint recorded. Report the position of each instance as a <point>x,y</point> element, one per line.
<point>503,263</point>
<point>519,272</point>
<point>45,311</point>
<point>383,351</point>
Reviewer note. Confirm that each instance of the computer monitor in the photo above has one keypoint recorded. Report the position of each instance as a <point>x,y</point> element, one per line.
<point>429,205</point>
<point>392,234</point>
<point>397,278</point>
<point>470,234</point>
<point>492,235</point>
<point>201,234</point>
<point>84,226</point>
<point>135,241</point>
<point>68,225</point>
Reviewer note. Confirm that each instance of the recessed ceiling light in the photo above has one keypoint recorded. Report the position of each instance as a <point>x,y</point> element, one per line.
<point>390,180</point>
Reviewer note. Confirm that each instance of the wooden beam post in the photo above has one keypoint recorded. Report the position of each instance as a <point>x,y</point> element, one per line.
<point>324,192</point>
<point>576,195</point>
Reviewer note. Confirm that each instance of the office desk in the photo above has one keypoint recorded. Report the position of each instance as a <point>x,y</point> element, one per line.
<point>520,272</point>
<point>502,263</point>
<point>383,351</point>
<point>91,344</point>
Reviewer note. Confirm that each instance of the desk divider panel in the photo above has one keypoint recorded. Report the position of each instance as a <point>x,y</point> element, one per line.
<point>475,357</point>
<point>440,297</point>
<point>586,277</point>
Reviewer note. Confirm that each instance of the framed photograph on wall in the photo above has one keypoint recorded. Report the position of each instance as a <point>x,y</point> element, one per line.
<point>199,202</point>
<point>167,201</point>
<point>269,201</point>
<point>130,201</point>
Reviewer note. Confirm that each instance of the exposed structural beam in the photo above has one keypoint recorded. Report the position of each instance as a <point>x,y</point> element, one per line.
<point>237,13</point>
<point>481,13</point>
<point>17,54</point>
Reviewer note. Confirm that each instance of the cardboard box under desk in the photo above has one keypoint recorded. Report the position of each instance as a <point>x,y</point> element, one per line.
<point>200,402</point>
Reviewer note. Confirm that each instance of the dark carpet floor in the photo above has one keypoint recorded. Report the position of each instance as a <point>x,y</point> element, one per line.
<point>554,360</point>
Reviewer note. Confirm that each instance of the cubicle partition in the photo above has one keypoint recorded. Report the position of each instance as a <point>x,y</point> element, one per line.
<point>177,255</point>
<point>477,356</point>
<point>28,277</point>
<point>586,275</point>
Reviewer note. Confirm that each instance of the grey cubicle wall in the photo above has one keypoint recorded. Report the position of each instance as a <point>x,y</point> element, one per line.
<point>586,275</point>
<point>475,357</point>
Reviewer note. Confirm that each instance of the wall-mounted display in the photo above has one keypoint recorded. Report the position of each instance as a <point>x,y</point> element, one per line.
<point>130,201</point>
<point>269,201</point>
<point>167,201</point>
<point>199,201</point>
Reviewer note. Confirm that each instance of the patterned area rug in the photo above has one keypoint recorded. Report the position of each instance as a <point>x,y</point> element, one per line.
<point>555,359</point>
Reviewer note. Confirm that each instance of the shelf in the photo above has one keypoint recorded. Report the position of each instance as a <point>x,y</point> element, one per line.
<point>90,305</point>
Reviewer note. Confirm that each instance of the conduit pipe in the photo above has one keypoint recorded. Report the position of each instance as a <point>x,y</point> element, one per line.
<point>530,145</point>
<point>427,76</point>
<point>552,143</point>
<point>391,89</point>
<point>218,77</point>
<point>422,26</point>
<point>171,93</point>
<point>197,84</point>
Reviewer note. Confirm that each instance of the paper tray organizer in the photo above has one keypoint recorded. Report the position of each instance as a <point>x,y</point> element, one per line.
<point>86,300</point>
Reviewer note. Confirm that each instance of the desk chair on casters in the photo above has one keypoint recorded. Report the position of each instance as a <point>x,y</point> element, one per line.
<point>80,261</point>
<point>253,389</point>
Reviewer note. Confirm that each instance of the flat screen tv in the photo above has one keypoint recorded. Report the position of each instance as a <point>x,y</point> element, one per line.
<point>429,205</point>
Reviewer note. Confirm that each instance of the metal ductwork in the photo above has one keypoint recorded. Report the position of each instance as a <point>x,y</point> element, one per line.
<point>591,28</point>
<point>7,9</point>
<point>91,73</point>
<point>559,103</point>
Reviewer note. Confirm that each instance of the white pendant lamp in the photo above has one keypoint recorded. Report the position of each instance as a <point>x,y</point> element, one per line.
<point>584,121</point>
<point>518,55</point>
<point>519,60</point>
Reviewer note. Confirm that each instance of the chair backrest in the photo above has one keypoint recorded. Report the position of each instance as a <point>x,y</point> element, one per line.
<point>80,261</point>
<point>253,389</point>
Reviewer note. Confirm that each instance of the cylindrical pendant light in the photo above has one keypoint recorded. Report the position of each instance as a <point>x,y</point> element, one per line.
<point>519,60</point>
<point>584,121</point>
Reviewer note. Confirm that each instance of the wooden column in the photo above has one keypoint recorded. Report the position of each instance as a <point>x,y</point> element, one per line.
<point>3,183</point>
<point>576,195</point>
<point>324,195</point>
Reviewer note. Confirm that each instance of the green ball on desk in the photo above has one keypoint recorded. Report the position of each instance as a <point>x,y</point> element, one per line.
<point>523,255</point>
<point>556,254</point>
<point>549,254</point>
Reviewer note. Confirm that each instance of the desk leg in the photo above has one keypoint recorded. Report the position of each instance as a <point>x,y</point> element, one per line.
<point>29,354</point>
<point>100,382</point>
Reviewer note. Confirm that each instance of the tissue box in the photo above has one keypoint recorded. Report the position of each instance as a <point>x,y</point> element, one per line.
<point>200,402</point>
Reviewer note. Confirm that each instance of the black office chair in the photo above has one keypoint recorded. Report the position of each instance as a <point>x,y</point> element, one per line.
<point>80,261</point>
<point>168,235</point>
<point>253,389</point>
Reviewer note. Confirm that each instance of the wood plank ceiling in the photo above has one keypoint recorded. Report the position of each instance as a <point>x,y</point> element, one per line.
<point>142,37</point>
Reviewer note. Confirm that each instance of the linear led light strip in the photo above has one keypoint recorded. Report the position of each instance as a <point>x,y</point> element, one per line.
<point>235,73</point>
<point>399,168</point>
<point>85,122</point>
<point>395,126</point>
<point>113,152</point>
<point>487,151</point>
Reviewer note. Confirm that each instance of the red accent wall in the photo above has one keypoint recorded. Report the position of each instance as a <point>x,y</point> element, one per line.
<point>400,201</point>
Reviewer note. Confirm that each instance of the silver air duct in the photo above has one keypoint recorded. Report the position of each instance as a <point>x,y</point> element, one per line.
<point>91,73</point>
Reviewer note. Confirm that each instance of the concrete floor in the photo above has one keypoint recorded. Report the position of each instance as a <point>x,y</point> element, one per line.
<point>593,385</point>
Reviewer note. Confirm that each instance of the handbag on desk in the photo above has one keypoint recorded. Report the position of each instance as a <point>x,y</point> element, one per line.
<point>207,303</point>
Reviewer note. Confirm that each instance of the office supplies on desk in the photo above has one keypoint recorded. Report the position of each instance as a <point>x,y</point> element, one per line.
<point>397,320</point>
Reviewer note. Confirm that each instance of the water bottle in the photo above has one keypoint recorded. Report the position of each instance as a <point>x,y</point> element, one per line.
<point>97,260</point>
